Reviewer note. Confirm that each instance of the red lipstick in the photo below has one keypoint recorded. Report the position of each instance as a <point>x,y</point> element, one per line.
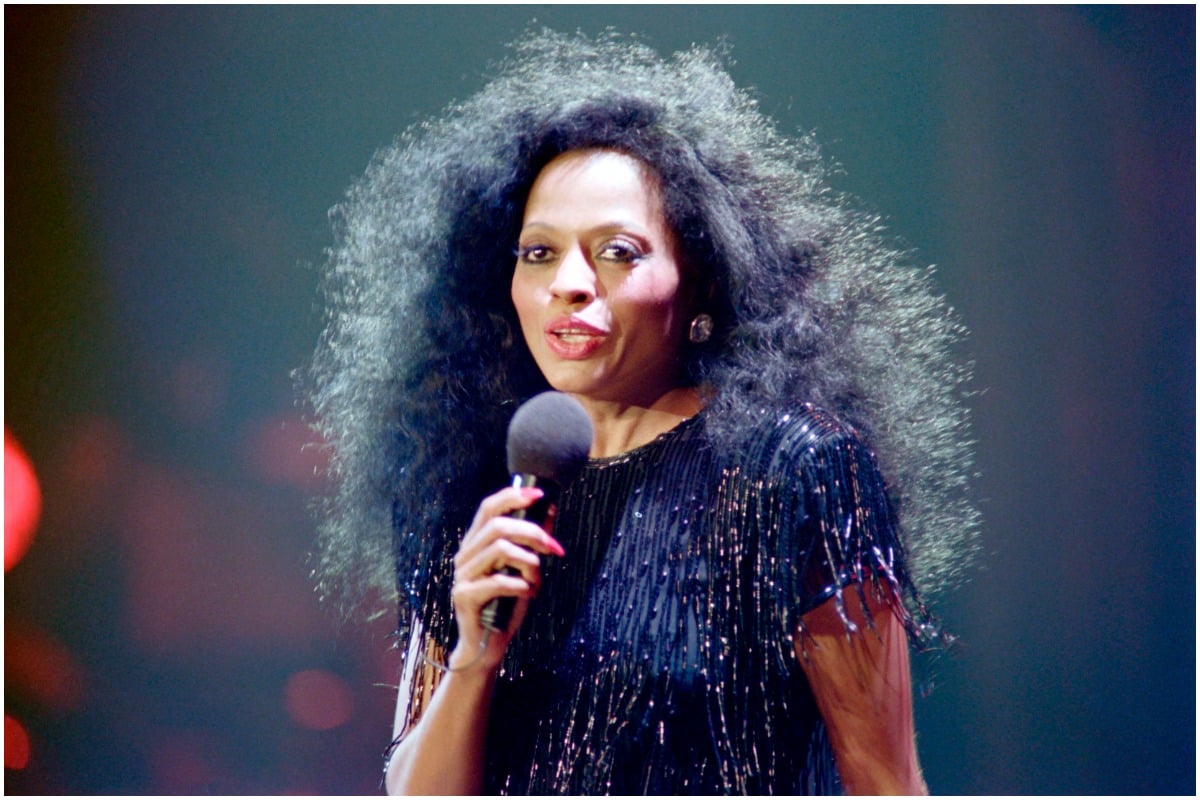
<point>572,339</point>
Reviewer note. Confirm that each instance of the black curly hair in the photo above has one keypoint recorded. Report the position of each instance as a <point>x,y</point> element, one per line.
<point>422,362</point>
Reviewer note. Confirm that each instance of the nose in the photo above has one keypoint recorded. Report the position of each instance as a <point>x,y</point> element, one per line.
<point>574,279</point>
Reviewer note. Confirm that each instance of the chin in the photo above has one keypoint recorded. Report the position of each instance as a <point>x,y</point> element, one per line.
<point>574,386</point>
<point>569,377</point>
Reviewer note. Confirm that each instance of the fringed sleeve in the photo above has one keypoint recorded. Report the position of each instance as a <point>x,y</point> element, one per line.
<point>838,534</point>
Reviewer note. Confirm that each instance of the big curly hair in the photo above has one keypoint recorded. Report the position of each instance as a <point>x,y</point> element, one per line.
<point>422,362</point>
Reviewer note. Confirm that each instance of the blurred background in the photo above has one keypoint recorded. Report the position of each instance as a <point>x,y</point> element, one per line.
<point>167,177</point>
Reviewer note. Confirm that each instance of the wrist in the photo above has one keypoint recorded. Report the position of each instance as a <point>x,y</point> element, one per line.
<point>474,658</point>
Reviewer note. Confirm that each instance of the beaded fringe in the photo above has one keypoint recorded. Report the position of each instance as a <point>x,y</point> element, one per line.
<point>660,654</point>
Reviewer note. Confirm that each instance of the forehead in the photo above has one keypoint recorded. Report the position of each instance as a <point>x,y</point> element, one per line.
<point>595,180</point>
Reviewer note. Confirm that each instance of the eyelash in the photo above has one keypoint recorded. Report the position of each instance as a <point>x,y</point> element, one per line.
<point>523,253</point>
<point>629,254</point>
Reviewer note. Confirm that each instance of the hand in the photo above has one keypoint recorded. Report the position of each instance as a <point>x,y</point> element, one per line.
<point>495,541</point>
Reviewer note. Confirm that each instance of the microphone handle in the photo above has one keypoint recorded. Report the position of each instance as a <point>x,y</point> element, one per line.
<point>498,612</point>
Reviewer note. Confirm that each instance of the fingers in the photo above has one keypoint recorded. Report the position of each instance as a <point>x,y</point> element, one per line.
<point>490,524</point>
<point>470,596</point>
<point>499,556</point>
<point>502,552</point>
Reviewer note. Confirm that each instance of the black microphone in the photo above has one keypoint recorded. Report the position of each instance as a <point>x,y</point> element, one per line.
<point>548,442</point>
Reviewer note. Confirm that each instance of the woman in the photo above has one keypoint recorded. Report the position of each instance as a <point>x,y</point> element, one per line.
<point>725,604</point>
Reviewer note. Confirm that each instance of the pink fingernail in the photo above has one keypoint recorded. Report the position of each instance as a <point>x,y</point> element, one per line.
<point>555,547</point>
<point>531,492</point>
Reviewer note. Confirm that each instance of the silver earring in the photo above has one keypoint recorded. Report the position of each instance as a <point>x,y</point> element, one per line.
<point>701,328</point>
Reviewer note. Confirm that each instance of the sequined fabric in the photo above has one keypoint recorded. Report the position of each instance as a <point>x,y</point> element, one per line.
<point>659,656</point>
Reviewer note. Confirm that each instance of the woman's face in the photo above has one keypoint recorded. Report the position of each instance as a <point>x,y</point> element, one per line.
<point>597,284</point>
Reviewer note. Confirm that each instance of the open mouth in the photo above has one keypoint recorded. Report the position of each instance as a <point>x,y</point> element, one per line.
<point>569,338</point>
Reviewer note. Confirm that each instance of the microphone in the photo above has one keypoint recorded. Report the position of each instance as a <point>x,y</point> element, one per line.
<point>548,442</point>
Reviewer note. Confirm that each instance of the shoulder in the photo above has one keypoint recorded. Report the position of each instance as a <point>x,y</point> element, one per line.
<point>786,440</point>
<point>806,428</point>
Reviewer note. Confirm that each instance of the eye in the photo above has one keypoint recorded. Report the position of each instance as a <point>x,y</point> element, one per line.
<point>534,253</point>
<point>621,252</point>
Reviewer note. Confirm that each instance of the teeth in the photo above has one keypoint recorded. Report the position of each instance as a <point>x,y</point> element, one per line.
<point>573,337</point>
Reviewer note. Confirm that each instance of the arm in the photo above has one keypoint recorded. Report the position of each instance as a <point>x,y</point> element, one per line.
<point>863,690</point>
<point>442,752</point>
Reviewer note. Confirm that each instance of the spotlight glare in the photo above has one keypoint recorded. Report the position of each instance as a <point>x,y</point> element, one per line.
<point>22,501</point>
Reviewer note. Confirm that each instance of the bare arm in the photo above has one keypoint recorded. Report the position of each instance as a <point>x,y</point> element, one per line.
<point>443,751</point>
<point>863,689</point>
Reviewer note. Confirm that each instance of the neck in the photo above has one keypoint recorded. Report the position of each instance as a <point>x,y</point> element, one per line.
<point>621,427</point>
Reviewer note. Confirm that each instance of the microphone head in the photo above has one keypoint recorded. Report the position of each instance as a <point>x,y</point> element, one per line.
<point>549,436</point>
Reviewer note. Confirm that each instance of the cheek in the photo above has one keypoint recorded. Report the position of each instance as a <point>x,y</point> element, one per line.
<point>518,293</point>
<point>657,295</point>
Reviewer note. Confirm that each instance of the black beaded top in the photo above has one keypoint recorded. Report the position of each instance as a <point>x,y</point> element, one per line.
<point>659,656</point>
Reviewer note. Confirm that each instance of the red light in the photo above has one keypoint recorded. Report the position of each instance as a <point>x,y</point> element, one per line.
<point>22,502</point>
<point>318,700</point>
<point>16,744</point>
<point>284,450</point>
<point>42,669</point>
